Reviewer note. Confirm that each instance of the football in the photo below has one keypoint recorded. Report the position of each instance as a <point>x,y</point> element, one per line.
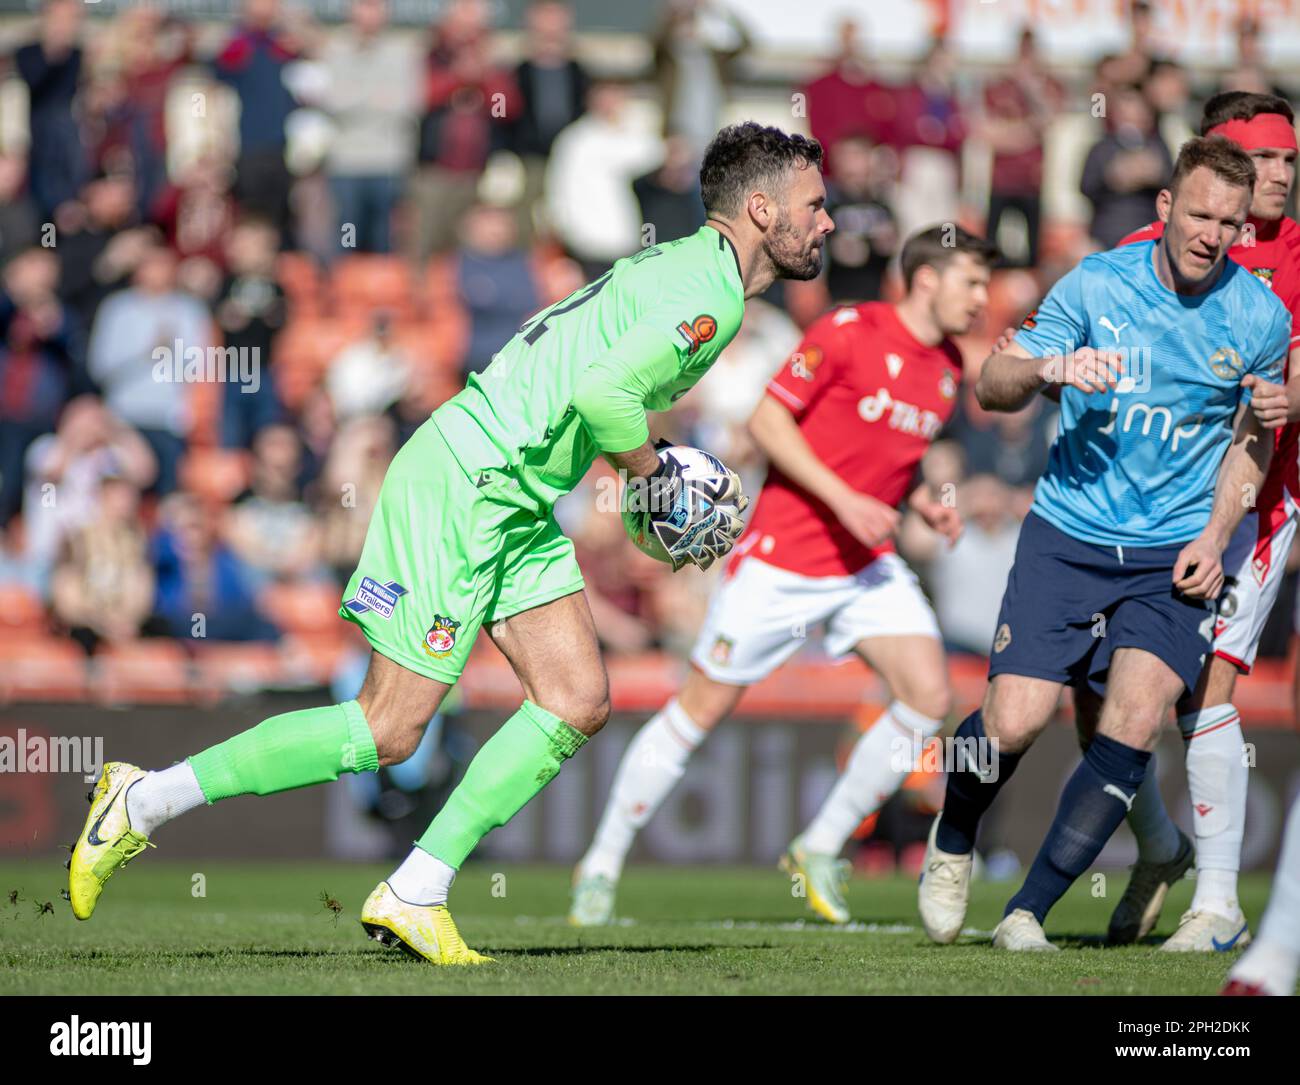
<point>710,495</point>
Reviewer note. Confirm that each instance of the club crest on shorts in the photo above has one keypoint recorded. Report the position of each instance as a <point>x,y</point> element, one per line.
<point>441,637</point>
<point>1003,637</point>
<point>721,650</point>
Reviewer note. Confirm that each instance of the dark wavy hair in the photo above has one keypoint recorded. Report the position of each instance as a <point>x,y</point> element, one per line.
<point>746,157</point>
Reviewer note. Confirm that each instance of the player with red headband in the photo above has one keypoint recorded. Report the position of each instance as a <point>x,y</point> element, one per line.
<point>1253,565</point>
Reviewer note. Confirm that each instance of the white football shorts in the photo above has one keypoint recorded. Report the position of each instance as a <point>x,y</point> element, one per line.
<point>760,615</point>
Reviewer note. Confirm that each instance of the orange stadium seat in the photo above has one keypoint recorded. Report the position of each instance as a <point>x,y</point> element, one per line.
<point>301,280</point>
<point>224,667</point>
<point>440,286</point>
<point>42,668</point>
<point>142,672</point>
<point>311,658</point>
<point>21,609</point>
<point>215,475</point>
<point>306,347</point>
<point>302,608</point>
<point>365,283</point>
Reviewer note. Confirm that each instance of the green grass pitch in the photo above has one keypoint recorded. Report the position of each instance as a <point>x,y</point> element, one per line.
<point>263,929</point>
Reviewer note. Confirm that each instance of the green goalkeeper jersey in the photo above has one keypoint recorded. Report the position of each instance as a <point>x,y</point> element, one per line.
<point>578,378</point>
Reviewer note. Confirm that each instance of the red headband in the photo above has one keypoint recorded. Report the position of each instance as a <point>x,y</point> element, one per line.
<point>1264,130</point>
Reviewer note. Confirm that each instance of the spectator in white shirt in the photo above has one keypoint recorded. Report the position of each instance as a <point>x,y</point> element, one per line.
<point>589,194</point>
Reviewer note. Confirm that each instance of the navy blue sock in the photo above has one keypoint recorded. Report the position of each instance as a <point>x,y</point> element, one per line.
<point>1093,804</point>
<point>968,794</point>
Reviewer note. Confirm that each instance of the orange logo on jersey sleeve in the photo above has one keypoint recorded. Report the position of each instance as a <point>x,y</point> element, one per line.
<point>700,330</point>
<point>804,363</point>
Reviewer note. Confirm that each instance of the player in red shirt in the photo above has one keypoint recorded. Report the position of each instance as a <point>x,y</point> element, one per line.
<point>1253,564</point>
<point>844,426</point>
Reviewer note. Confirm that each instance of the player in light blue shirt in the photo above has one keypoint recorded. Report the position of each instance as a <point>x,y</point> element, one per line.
<point>1154,349</point>
<point>1137,466</point>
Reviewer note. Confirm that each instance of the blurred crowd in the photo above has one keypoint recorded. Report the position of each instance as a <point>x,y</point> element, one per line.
<point>387,208</point>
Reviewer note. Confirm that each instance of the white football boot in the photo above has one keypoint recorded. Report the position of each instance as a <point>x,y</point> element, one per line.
<point>1208,932</point>
<point>593,901</point>
<point>1021,932</point>
<point>944,890</point>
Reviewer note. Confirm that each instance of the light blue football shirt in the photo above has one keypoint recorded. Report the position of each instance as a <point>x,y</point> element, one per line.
<point>1137,466</point>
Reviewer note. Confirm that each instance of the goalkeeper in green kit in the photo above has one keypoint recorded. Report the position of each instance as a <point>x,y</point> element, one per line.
<point>464,536</point>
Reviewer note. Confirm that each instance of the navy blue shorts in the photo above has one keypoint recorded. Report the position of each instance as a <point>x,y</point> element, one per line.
<point>1070,604</point>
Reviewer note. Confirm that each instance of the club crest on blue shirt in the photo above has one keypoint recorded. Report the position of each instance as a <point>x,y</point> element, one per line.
<point>376,597</point>
<point>1227,364</point>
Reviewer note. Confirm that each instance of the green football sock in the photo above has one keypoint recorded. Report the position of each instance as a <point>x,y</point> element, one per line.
<point>512,766</point>
<point>295,749</point>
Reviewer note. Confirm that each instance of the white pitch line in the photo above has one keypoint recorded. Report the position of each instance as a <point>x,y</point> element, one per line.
<point>794,925</point>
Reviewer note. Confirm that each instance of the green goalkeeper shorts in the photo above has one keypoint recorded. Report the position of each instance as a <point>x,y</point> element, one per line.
<point>444,554</point>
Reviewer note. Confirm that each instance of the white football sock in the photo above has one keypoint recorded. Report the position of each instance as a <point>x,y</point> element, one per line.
<point>881,760</point>
<point>1273,959</point>
<point>1157,835</point>
<point>422,879</point>
<point>654,761</point>
<point>161,796</point>
<point>1281,922</point>
<point>1216,781</point>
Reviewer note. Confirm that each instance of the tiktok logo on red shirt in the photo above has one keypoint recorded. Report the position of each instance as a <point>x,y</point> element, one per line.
<point>905,417</point>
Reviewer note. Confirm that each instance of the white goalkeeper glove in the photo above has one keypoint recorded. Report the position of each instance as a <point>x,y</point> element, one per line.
<point>697,518</point>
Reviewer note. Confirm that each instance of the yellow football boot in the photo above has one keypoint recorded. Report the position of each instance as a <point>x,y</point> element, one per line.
<point>422,930</point>
<point>107,842</point>
<point>825,878</point>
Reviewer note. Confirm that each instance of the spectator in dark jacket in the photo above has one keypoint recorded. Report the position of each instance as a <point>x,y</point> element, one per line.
<point>100,244</point>
<point>250,312</point>
<point>51,68</point>
<point>34,365</point>
<point>19,223</point>
<point>866,232</point>
<point>669,196</point>
<point>252,63</point>
<point>1018,109</point>
<point>468,104</point>
<point>1126,168</point>
<point>496,283</point>
<point>552,95</point>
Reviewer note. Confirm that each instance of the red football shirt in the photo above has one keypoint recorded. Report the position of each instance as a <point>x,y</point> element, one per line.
<point>1273,257</point>
<point>869,399</point>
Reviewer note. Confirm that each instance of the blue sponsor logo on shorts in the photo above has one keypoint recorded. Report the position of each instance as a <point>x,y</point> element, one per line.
<point>372,595</point>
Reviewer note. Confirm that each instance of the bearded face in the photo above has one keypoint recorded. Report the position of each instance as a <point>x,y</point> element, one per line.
<point>796,253</point>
